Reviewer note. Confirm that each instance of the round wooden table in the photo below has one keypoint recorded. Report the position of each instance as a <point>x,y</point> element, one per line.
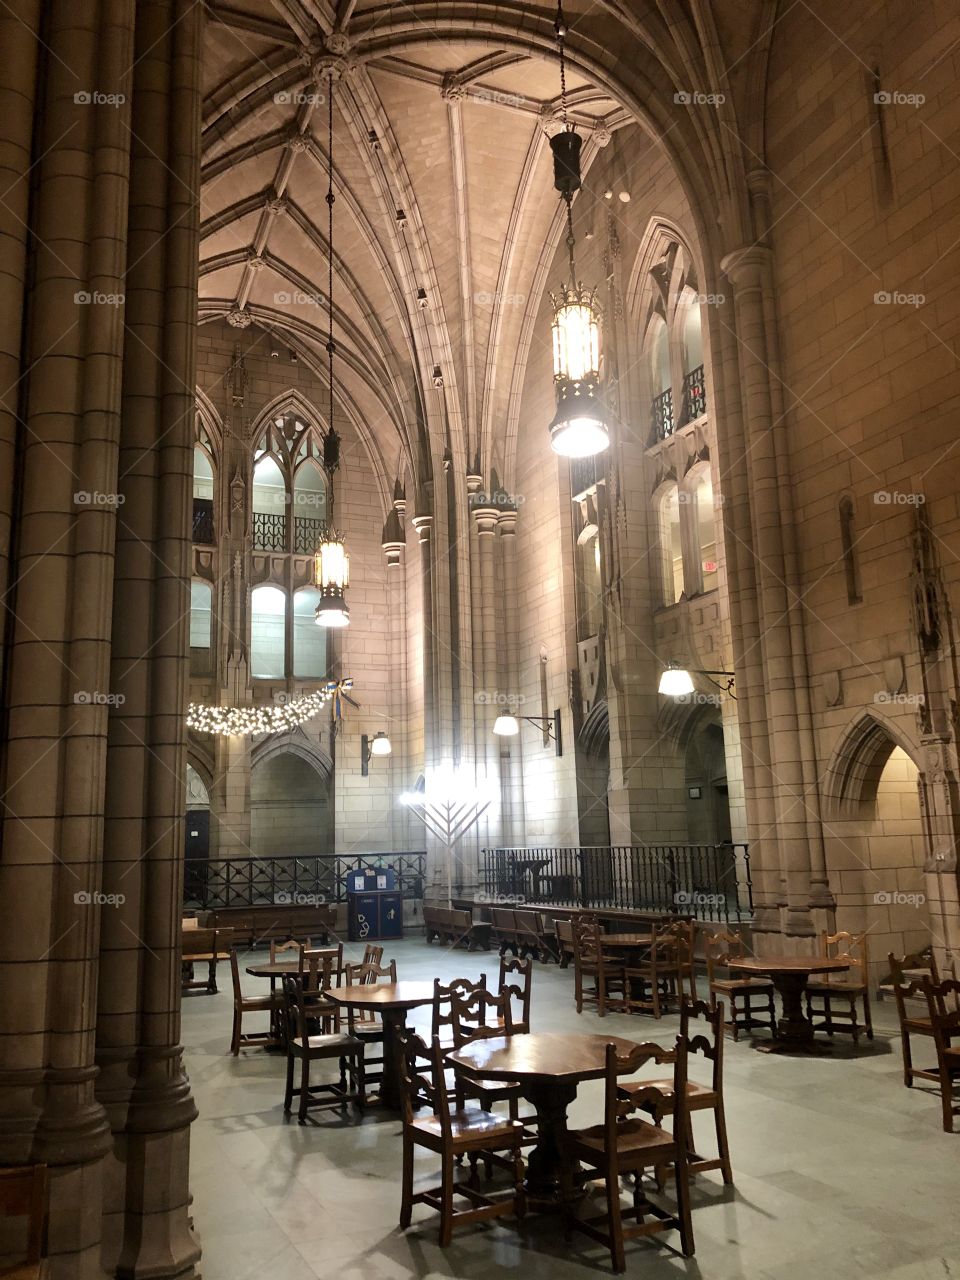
<point>392,1000</point>
<point>789,975</point>
<point>549,1067</point>
<point>627,941</point>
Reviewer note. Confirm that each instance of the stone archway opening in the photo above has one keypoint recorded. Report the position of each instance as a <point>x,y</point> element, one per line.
<point>875,845</point>
<point>291,808</point>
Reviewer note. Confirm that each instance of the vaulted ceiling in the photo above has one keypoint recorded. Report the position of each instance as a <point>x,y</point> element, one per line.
<point>445,217</point>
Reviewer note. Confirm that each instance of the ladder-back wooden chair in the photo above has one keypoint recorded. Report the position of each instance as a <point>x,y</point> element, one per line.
<point>832,998</point>
<point>340,1045</point>
<point>943,1008</point>
<point>609,988</point>
<point>750,1000</point>
<point>516,979</point>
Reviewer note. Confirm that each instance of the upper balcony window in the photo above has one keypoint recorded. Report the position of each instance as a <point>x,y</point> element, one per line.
<point>202,497</point>
<point>309,506</point>
<point>706,527</point>
<point>270,503</point>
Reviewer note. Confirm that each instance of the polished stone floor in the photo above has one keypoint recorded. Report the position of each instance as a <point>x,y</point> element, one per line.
<point>840,1170</point>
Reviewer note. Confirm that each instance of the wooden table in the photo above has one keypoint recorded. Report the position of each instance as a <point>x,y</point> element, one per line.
<point>274,969</point>
<point>549,1067</point>
<point>789,975</point>
<point>392,1000</point>
<point>627,941</point>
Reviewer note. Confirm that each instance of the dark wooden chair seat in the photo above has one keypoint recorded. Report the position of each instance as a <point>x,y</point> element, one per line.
<point>338,1045</point>
<point>740,984</point>
<point>699,1096</point>
<point>475,1127</point>
<point>331,1041</point>
<point>632,1135</point>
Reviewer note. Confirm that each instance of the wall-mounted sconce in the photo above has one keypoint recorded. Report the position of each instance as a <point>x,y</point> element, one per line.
<point>677,681</point>
<point>379,745</point>
<point>509,727</point>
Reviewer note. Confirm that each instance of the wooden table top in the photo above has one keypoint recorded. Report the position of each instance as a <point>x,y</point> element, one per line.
<point>789,964</point>
<point>546,1054</point>
<point>626,939</point>
<point>277,968</point>
<point>383,995</point>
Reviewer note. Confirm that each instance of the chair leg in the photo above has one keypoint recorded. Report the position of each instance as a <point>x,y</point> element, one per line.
<point>406,1193</point>
<point>867,1014</point>
<point>723,1146</point>
<point>519,1194</point>
<point>578,989</point>
<point>907,1057</point>
<point>446,1210</point>
<point>683,1208</point>
<point>304,1088</point>
<point>601,995</point>
<point>235,1038</point>
<point>614,1219</point>
<point>288,1092</point>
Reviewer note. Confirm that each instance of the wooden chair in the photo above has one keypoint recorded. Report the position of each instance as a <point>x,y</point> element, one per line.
<point>442,995</point>
<point>367,1025</point>
<point>314,960</point>
<point>911,1023</point>
<point>429,1122</point>
<point>590,961</point>
<point>652,980</point>
<point>945,1022</point>
<point>343,1046</point>
<point>291,945</point>
<point>372,954</point>
<point>248,1004</point>
<point>203,947</point>
<point>564,929</point>
<point>825,992</point>
<point>751,1000</point>
<point>626,1144</point>
<point>471,1020</point>
<point>516,979</point>
<point>23,1194</point>
<point>700,1097</point>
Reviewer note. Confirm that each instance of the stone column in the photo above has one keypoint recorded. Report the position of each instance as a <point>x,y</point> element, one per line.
<point>142,1082</point>
<point>513,831</point>
<point>57,692</point>
<point>773,646</point>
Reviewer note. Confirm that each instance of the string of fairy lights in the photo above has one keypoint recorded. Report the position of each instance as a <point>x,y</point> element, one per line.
<point>278,717</point>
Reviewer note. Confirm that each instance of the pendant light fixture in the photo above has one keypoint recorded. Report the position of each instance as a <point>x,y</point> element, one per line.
<point>579,429</point>
<point>331,563</point>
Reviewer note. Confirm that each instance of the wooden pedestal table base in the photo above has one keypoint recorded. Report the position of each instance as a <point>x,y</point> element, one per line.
<point>789,975</point>
<point>392,1001</point>
<point>549,1067</point>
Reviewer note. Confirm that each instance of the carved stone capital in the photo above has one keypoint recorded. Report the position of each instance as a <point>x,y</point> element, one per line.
<point>238,318</point>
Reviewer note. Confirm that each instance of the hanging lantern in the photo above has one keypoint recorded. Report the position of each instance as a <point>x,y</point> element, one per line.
<point>579,428</point>
<point>332,577</point>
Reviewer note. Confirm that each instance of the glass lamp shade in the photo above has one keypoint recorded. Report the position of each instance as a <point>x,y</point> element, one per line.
<point>380,745</point>
<point>578,430</point>
<point>576,336</point>
<point>332,577</point>
<point>506,726</point>
<point>676,682</point>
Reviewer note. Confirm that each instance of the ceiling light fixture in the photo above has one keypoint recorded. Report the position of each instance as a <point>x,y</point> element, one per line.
<point>331,563</point>
<point>579,428</point>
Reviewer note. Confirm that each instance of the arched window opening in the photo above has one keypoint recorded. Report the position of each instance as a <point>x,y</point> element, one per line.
<point>270,502</point>
<point>309,640</point>
<point>694,389</point>
<point>202,497</point>
<point>591,583</point>
<point>309,506</point>
<point>268,633</point>
<point>848,542</point>
<point>201,627</point>
<point>706,533</point>
<point>661,382</point>
<point>671,546</point>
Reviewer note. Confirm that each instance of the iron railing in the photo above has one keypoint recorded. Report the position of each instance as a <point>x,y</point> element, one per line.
<point>694,396</point>
<point>269,532</point>
<point>306,534</point>
<point>203,522</point>
<point>211,883</point>
<point>662,411</point>
<point>707,881</point>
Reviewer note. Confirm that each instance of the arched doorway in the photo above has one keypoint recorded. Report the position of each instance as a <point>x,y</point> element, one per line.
<point>196,840</point>
<point>705,774</point>
<point>875,842</point>
<point>291,812</point>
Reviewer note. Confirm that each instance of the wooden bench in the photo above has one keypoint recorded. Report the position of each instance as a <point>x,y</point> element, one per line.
<point>524,932</point>
<point>456,926</point>
<point>280,923</point>
<point>202,946</point>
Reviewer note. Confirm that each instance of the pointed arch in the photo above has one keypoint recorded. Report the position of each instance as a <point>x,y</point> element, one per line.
<point>293,744</point>
<point>857,762</point>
